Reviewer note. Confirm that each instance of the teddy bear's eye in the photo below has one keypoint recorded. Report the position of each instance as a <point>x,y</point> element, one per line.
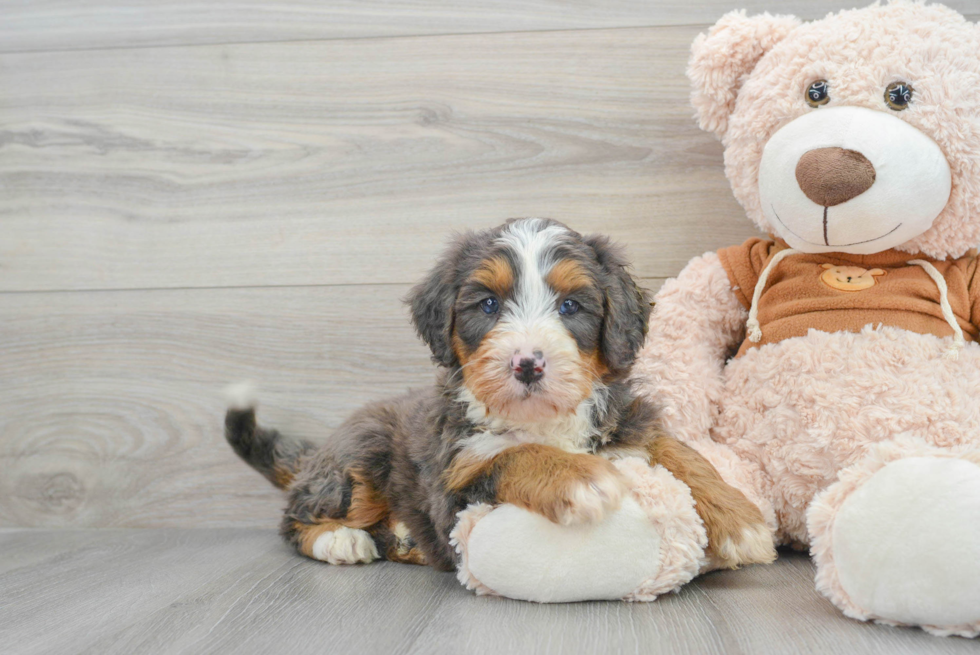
<point>898,95</point>
<point>818,93</point>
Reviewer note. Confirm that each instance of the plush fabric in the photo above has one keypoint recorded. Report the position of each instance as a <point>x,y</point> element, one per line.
<point>652,545</point>
<point>884,534</point>
<point>900,166</point>
<point>854,428</point>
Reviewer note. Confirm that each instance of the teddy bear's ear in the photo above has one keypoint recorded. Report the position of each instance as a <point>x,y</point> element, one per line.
<point>722,58</point>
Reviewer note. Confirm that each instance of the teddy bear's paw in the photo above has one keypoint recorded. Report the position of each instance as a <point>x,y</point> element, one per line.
<point>904,546</point>
<point>510,551</point>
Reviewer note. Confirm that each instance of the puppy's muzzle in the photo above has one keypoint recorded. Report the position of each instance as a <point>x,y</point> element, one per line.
<point>528,368</point>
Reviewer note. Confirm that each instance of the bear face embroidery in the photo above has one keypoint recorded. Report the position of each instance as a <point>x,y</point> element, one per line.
<point>849,278</point>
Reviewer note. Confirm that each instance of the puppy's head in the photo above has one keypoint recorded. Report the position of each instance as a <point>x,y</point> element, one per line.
<point>536,315</point>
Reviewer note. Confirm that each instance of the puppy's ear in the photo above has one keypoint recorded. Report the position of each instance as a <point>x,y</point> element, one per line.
<point>431,302</point>
<point>627,310</point>
<point>723,58</point>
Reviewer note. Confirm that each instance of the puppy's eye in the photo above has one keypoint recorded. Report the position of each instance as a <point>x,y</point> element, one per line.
<point>818,93</point>
<point>490,305</point>
<point>568,307</point>
<point>898,96</point>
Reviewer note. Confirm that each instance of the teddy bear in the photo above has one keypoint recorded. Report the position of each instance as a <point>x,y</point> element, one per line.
<point>831,370</point>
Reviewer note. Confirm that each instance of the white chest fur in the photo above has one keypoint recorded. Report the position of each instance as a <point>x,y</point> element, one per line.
<point>571,432</point>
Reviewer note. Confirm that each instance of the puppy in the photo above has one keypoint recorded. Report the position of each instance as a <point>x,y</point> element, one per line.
<point>535,328</point>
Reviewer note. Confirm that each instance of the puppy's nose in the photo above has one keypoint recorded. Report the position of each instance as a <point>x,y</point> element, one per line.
<point>528,367</point>
<point>831,176</point>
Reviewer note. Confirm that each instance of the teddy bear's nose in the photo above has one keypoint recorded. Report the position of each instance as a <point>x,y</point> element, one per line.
<point>831,176</point>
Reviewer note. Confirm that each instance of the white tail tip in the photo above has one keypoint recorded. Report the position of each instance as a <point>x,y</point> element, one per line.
<point>241,395</point>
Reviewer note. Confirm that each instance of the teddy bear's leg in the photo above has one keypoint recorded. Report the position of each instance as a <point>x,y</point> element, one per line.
<point>897,538</point>
<point>654,543</point>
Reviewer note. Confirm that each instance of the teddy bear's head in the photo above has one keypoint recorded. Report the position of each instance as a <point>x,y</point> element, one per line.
<point>856,133</point>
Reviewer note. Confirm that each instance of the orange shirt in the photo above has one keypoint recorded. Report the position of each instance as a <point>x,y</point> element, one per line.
<point>839,292</point>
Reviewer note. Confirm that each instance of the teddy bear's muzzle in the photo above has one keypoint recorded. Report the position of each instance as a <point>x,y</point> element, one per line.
<point>851,179</point>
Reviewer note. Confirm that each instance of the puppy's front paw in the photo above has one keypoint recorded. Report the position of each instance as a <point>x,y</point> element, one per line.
<point>563,487</point>
<point>590,499</point>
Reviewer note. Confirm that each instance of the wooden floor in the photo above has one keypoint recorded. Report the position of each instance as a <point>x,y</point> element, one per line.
<point>243,591</point>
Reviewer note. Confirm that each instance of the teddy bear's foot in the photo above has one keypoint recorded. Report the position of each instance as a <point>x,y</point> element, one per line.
<point>897,540</point>
<point>653,543</point>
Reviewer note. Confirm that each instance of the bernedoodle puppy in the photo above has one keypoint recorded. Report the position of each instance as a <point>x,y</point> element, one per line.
<point>535,328</point>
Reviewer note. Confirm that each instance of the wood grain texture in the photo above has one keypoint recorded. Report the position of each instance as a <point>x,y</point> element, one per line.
<point>221,591</point>
<point>346,162</point>
<point>69,25</point>
<point>111,408</point>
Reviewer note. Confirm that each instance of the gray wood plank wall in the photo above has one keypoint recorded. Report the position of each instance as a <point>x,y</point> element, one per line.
<point>197,193</point>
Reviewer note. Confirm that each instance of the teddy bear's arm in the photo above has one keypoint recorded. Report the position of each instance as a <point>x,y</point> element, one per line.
<point>696,323</point>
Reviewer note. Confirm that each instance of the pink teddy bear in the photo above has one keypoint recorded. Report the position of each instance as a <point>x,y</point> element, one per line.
<point>846,405</point>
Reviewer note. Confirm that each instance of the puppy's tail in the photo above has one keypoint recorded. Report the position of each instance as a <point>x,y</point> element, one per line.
<point>268,452</point>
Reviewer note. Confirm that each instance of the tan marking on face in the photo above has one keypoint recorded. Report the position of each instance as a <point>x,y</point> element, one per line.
<point>486,372</point>
<point>496,275</point>
<point>570,373</point>
<point>569,378</point>
<point>727,514</point>
<point>596,367</point>
<point>567,276</point>
<point>463,354</point>
<point>849,278</point>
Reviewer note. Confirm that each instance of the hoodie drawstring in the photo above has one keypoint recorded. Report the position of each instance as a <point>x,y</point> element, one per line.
<point>753,327</point>
<point>958,339</point>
